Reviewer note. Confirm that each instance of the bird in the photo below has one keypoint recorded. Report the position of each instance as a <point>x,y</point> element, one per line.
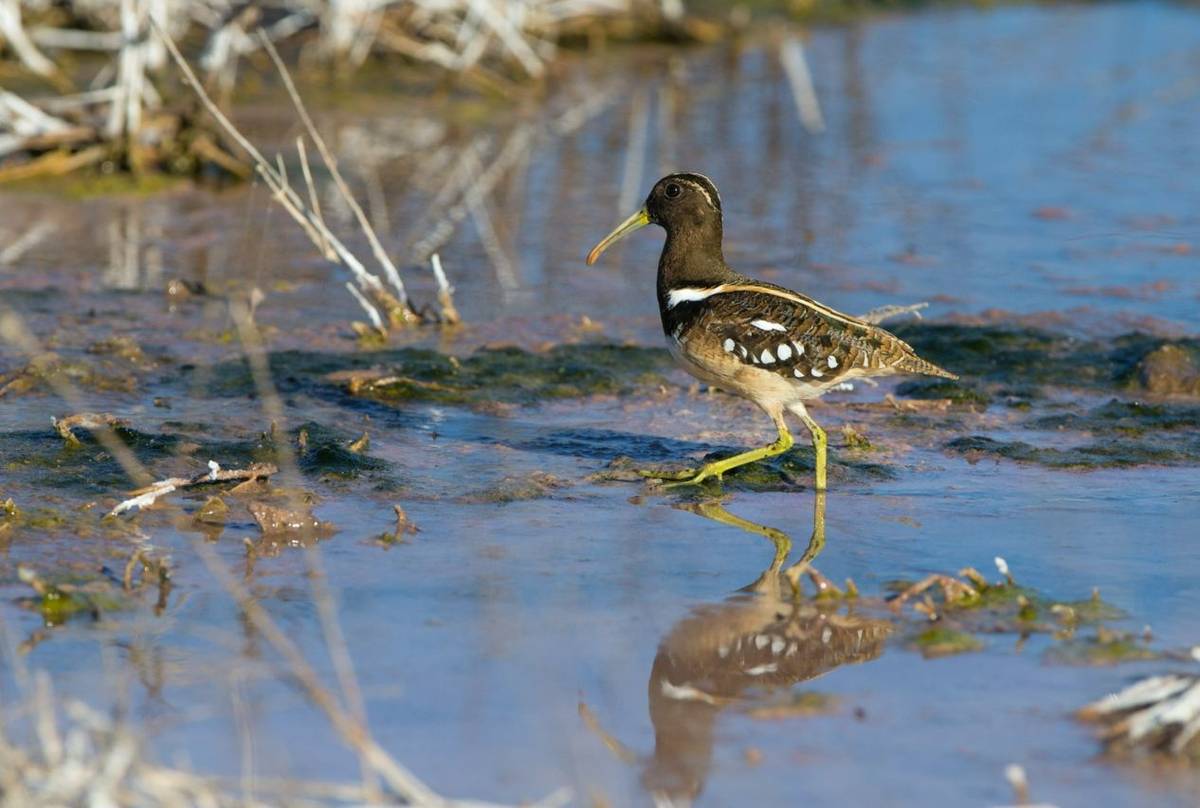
<point>765,343</point>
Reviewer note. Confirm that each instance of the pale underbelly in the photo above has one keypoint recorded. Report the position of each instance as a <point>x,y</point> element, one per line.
<point>764,387</point>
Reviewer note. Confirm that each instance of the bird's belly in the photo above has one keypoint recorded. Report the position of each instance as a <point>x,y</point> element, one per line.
<point>762,386</point>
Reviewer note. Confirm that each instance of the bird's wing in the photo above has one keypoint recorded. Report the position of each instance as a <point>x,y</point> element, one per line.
<point>785,332</point>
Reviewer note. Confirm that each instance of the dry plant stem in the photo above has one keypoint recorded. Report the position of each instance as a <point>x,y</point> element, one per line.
<point>288,199</point>
<point>339,181</point>
<point>145,497</point>
<point>314,199</point>
<point>619,750</point>
<point>398,778</point>
<point>339,653</point>
<point>84,420</point>
<point>791,55</point>
<point>953,590</point>
<point>445,291</point>
<point>335,641</point>
<point>13,33</point>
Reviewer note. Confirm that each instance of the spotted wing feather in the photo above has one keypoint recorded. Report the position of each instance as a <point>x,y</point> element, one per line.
<point>782,332</point>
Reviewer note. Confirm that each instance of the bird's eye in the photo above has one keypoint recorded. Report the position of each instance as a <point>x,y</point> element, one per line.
<point>672,191</point>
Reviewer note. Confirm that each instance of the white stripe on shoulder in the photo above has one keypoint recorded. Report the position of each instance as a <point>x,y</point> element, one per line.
<point>688,294</point>
<point>795,298</point>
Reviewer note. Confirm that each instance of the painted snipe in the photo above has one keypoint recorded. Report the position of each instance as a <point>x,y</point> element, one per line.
<point>756,340</point>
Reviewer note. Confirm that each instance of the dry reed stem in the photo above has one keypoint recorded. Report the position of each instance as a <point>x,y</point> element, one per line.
<point>352,731</point>
<point>393,275</point>
<point>283,194</point>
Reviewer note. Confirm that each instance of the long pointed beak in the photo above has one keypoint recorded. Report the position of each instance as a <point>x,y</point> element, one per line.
<point>635,222</point>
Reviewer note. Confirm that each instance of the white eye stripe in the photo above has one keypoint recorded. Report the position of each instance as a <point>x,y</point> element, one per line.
<point>715,205</point>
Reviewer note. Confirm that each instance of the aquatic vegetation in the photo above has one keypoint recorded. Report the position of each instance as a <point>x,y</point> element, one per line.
<point>60,600</point>
<point>939,641</point>
<point>503,374</point>
<point>1105,647</point>
<point>1004,354</point>
<point>537,485</point>
<point>1112,453</point>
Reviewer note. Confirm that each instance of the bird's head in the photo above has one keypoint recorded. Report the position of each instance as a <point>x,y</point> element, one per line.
<point>678,203</point>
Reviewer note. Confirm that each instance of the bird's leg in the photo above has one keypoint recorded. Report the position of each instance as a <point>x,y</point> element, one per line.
<point>717,468</point>
<point>816,543</point>
<point>820,442</point>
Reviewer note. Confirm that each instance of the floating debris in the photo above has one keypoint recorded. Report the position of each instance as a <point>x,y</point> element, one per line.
<point>145,497</point>
<point>90,421</point>
<point>404,528</point>
<point>1158,716</point>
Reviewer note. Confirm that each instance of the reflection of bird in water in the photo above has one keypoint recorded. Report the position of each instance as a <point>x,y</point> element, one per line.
<point>765,638</point>
<point>762,342</point>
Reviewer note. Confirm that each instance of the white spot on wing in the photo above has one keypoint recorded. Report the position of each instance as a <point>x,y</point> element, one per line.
<point>759,670</point>
<point>767,357</point>
<point>778,644</point>
<point>816,371</point>
<point>832,360</point>
<point>742,348</point>
<point>767,325</point>
<point>799,348</point>
<point>729,346</point>
<point>797,372</point>
<point>784,353</point>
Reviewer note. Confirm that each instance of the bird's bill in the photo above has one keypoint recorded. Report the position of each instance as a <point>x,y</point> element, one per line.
<point>635,222</point>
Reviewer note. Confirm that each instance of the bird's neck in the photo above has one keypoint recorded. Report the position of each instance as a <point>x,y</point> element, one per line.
<point>692,258</point>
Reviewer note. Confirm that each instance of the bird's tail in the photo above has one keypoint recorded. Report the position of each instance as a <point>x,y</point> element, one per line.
<point>915,364</point>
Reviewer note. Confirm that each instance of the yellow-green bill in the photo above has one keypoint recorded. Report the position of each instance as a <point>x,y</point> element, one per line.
<point>635,222</point>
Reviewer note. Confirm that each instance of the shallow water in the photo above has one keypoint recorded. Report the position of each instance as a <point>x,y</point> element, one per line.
<point>952,171</point>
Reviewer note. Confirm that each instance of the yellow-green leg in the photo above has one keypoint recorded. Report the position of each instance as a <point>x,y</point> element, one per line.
<point>820,442</point>
<point>717,468</point>
<point>816,543</point>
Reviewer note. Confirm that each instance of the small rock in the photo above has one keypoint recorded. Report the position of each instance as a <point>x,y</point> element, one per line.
<point>1168,370</point>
